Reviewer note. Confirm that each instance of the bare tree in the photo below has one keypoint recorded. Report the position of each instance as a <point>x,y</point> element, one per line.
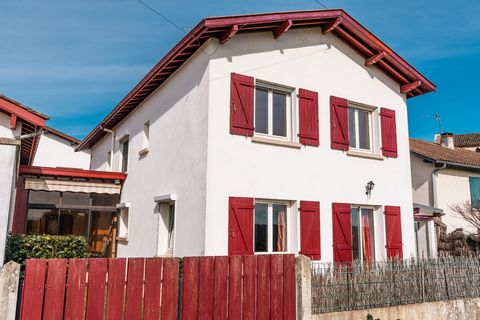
<point>468,211</point>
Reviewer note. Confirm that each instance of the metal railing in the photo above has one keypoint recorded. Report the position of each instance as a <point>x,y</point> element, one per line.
<point>383,284</point>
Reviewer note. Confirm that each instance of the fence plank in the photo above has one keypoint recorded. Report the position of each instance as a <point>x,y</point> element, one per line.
<point>116,288</point>
<point>220,294</point>
<point>263,287</point>
<point>289,294</point>
<point>97,280</point>
<point>55,289</point>
<point>170,289</point>
<point>189,288</point>
<point>235,288</point>
<point>33,289</point>
<point>276,287</point>
<point>153,281</point>
<point>75,301</point>
<point>249,287</point>
<point>205,287</point>
<point>133,303</point>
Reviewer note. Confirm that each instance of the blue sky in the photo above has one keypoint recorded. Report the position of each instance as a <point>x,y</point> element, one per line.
<point>75,60</point>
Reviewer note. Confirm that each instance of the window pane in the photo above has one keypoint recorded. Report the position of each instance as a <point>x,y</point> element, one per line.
<point>355,234</point>
<point>261,111</point>
<point>351,128</point>
<point>279,114</point>
<point>125,156</point>
<point>364,129</point>
<point>279,228</point>
<point>261,214</point>
<point>368,242</point>
<point>73,222</point>
<point>41,221</point>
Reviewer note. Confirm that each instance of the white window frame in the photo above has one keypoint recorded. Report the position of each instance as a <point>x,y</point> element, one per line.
<point>270,204</point>
<point>122,141</point>
<point>372,128</point>
<point>360,246</point>
<point>289,92</point>
<point>145,138</point>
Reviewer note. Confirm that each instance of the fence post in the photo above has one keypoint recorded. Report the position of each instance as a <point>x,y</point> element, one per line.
<point>9,277</point>
<point>303,283</point>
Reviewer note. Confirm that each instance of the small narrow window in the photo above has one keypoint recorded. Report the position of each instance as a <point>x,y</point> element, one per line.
<point>270,225</point>
<point>171,226</point>
<point>146,134</point>
<point>123,224</point>
<point>363,237</point>
<point>360,129</point>
<point>124,149</point>
<point>273,111</point>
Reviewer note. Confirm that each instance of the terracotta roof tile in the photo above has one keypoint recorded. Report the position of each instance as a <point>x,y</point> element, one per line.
<point>436,152</point>
<point>467,140</point>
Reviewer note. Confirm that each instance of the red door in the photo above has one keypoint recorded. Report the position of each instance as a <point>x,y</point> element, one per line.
<point>342,233</point>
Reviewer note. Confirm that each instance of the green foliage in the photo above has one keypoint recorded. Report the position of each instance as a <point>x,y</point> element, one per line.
<point>21,247</point>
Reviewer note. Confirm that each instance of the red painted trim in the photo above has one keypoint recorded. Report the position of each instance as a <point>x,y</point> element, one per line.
<point>332,26</point>
<point>372,60</point>
<point>282,29</point>
<point>21,113</point>
<point>349,31</point>
<point>71,172</point>
<point>229,34</point>
<point>62,135</point>
<point>13,121</point>
<point>410,86</point>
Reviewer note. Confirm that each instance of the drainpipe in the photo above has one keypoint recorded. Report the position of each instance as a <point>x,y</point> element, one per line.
<point>113,145</point>
<point>434,184</point>
<point>30,135</point>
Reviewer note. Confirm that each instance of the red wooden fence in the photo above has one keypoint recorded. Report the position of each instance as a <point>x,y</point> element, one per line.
<point>235,287</point>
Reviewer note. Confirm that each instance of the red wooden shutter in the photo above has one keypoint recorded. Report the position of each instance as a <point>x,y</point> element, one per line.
<point>241,105</point>
<point>240,226</point>
<point>393,231</point>
<point>389,133</point>
<point>308,117</point>
<point>310,229</point>
<point>342,233</point>
<point>339,123</point>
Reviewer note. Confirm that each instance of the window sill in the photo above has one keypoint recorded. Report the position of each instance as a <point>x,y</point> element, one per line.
<point>365,155</point>
<point>122,239</point>
<point>282,143</point>
<point>143,152</point>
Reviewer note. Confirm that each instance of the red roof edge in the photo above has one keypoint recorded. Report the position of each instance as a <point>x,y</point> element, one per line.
<point>349,31</point>
<point>71,173</point>
<point>24,113</point>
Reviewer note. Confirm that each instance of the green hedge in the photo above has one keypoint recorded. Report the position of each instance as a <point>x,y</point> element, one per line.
<point>22,247</point>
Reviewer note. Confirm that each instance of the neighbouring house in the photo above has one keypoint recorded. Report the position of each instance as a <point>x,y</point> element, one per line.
<point>442,175</point>
<point>45,186</point>
<point>470,141</point>
<point>265,133</point>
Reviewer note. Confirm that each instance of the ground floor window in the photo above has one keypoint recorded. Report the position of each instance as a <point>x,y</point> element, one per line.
<point>363,234</point>
<point>271,228</point>
<point>422,238</point>
<point>171,226</point>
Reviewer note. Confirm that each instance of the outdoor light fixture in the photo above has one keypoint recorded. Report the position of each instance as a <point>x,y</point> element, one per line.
<point>369,188</point>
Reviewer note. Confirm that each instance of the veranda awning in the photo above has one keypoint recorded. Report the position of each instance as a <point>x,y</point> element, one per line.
<point>71,186</point>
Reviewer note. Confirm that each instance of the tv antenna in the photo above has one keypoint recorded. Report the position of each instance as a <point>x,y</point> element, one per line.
<point>439,120</point>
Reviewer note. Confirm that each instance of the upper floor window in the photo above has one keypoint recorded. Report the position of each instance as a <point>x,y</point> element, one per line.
<point>360,128</point>
<point>146,134</point>
<point>273,111</point>
<point>124,146</point>
<point>270,226</point>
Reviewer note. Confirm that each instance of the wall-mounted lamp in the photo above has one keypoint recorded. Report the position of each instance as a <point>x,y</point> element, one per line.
<point>369,188</point>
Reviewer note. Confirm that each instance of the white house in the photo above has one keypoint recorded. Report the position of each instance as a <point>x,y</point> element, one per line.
<point>278,132</point>
<point>444,173</point>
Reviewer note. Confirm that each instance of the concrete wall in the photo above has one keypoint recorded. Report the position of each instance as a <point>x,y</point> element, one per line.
<point>452,187</point>
<point>54,151</point>
<point>238,167</point>
<point>175,163</point>
<point>466,309</point>
<point>8,168</point>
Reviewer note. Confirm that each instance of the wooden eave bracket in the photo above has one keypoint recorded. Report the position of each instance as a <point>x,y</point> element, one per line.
<point>376,58</point>
<point>13,121</point>
<point>410,86</point>
<point>332,25</point>
<point>283,28</point>
<point>229,34</point>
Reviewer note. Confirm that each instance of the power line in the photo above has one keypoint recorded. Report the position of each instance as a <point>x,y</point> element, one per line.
<point>162,16</point>
<point>321,4</point>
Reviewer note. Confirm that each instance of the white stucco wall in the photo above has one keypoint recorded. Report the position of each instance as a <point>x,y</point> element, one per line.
<point>453,187</point>
<point>422,181</point>
<point>175,163</point>
<point>237,167</point>
<point>5,131</point>
<point>54,151</point>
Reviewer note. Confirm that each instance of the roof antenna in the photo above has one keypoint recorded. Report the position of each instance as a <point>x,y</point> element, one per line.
<point>439,120</point>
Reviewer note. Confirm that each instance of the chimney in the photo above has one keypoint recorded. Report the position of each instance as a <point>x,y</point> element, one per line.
<point>437,138</point>
<point>447,140</point>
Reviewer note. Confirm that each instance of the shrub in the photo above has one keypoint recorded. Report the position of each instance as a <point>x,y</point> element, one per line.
<point>21,247</point>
